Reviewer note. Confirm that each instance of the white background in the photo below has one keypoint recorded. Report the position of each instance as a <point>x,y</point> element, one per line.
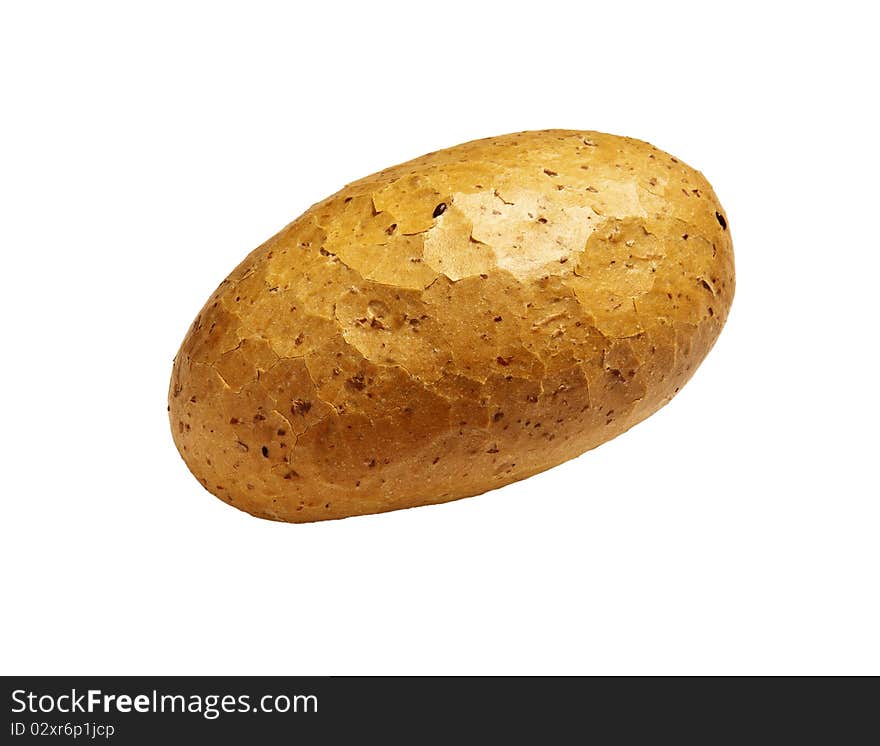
<point>147,147</point>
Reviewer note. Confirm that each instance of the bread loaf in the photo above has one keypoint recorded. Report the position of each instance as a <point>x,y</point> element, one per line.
<point>453,324</point>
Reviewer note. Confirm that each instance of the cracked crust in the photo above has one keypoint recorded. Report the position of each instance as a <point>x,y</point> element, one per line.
<point>453,324</point>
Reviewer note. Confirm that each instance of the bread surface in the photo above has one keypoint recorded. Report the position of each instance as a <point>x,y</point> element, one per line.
<point>453,324</point>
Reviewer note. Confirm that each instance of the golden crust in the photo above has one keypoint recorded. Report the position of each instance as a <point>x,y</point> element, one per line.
<point>453,324</point>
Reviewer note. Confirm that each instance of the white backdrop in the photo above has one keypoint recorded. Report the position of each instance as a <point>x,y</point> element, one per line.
<point>145,148</point>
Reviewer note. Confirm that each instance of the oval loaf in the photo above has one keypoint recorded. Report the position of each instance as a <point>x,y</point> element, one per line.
<point>453,324</point>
